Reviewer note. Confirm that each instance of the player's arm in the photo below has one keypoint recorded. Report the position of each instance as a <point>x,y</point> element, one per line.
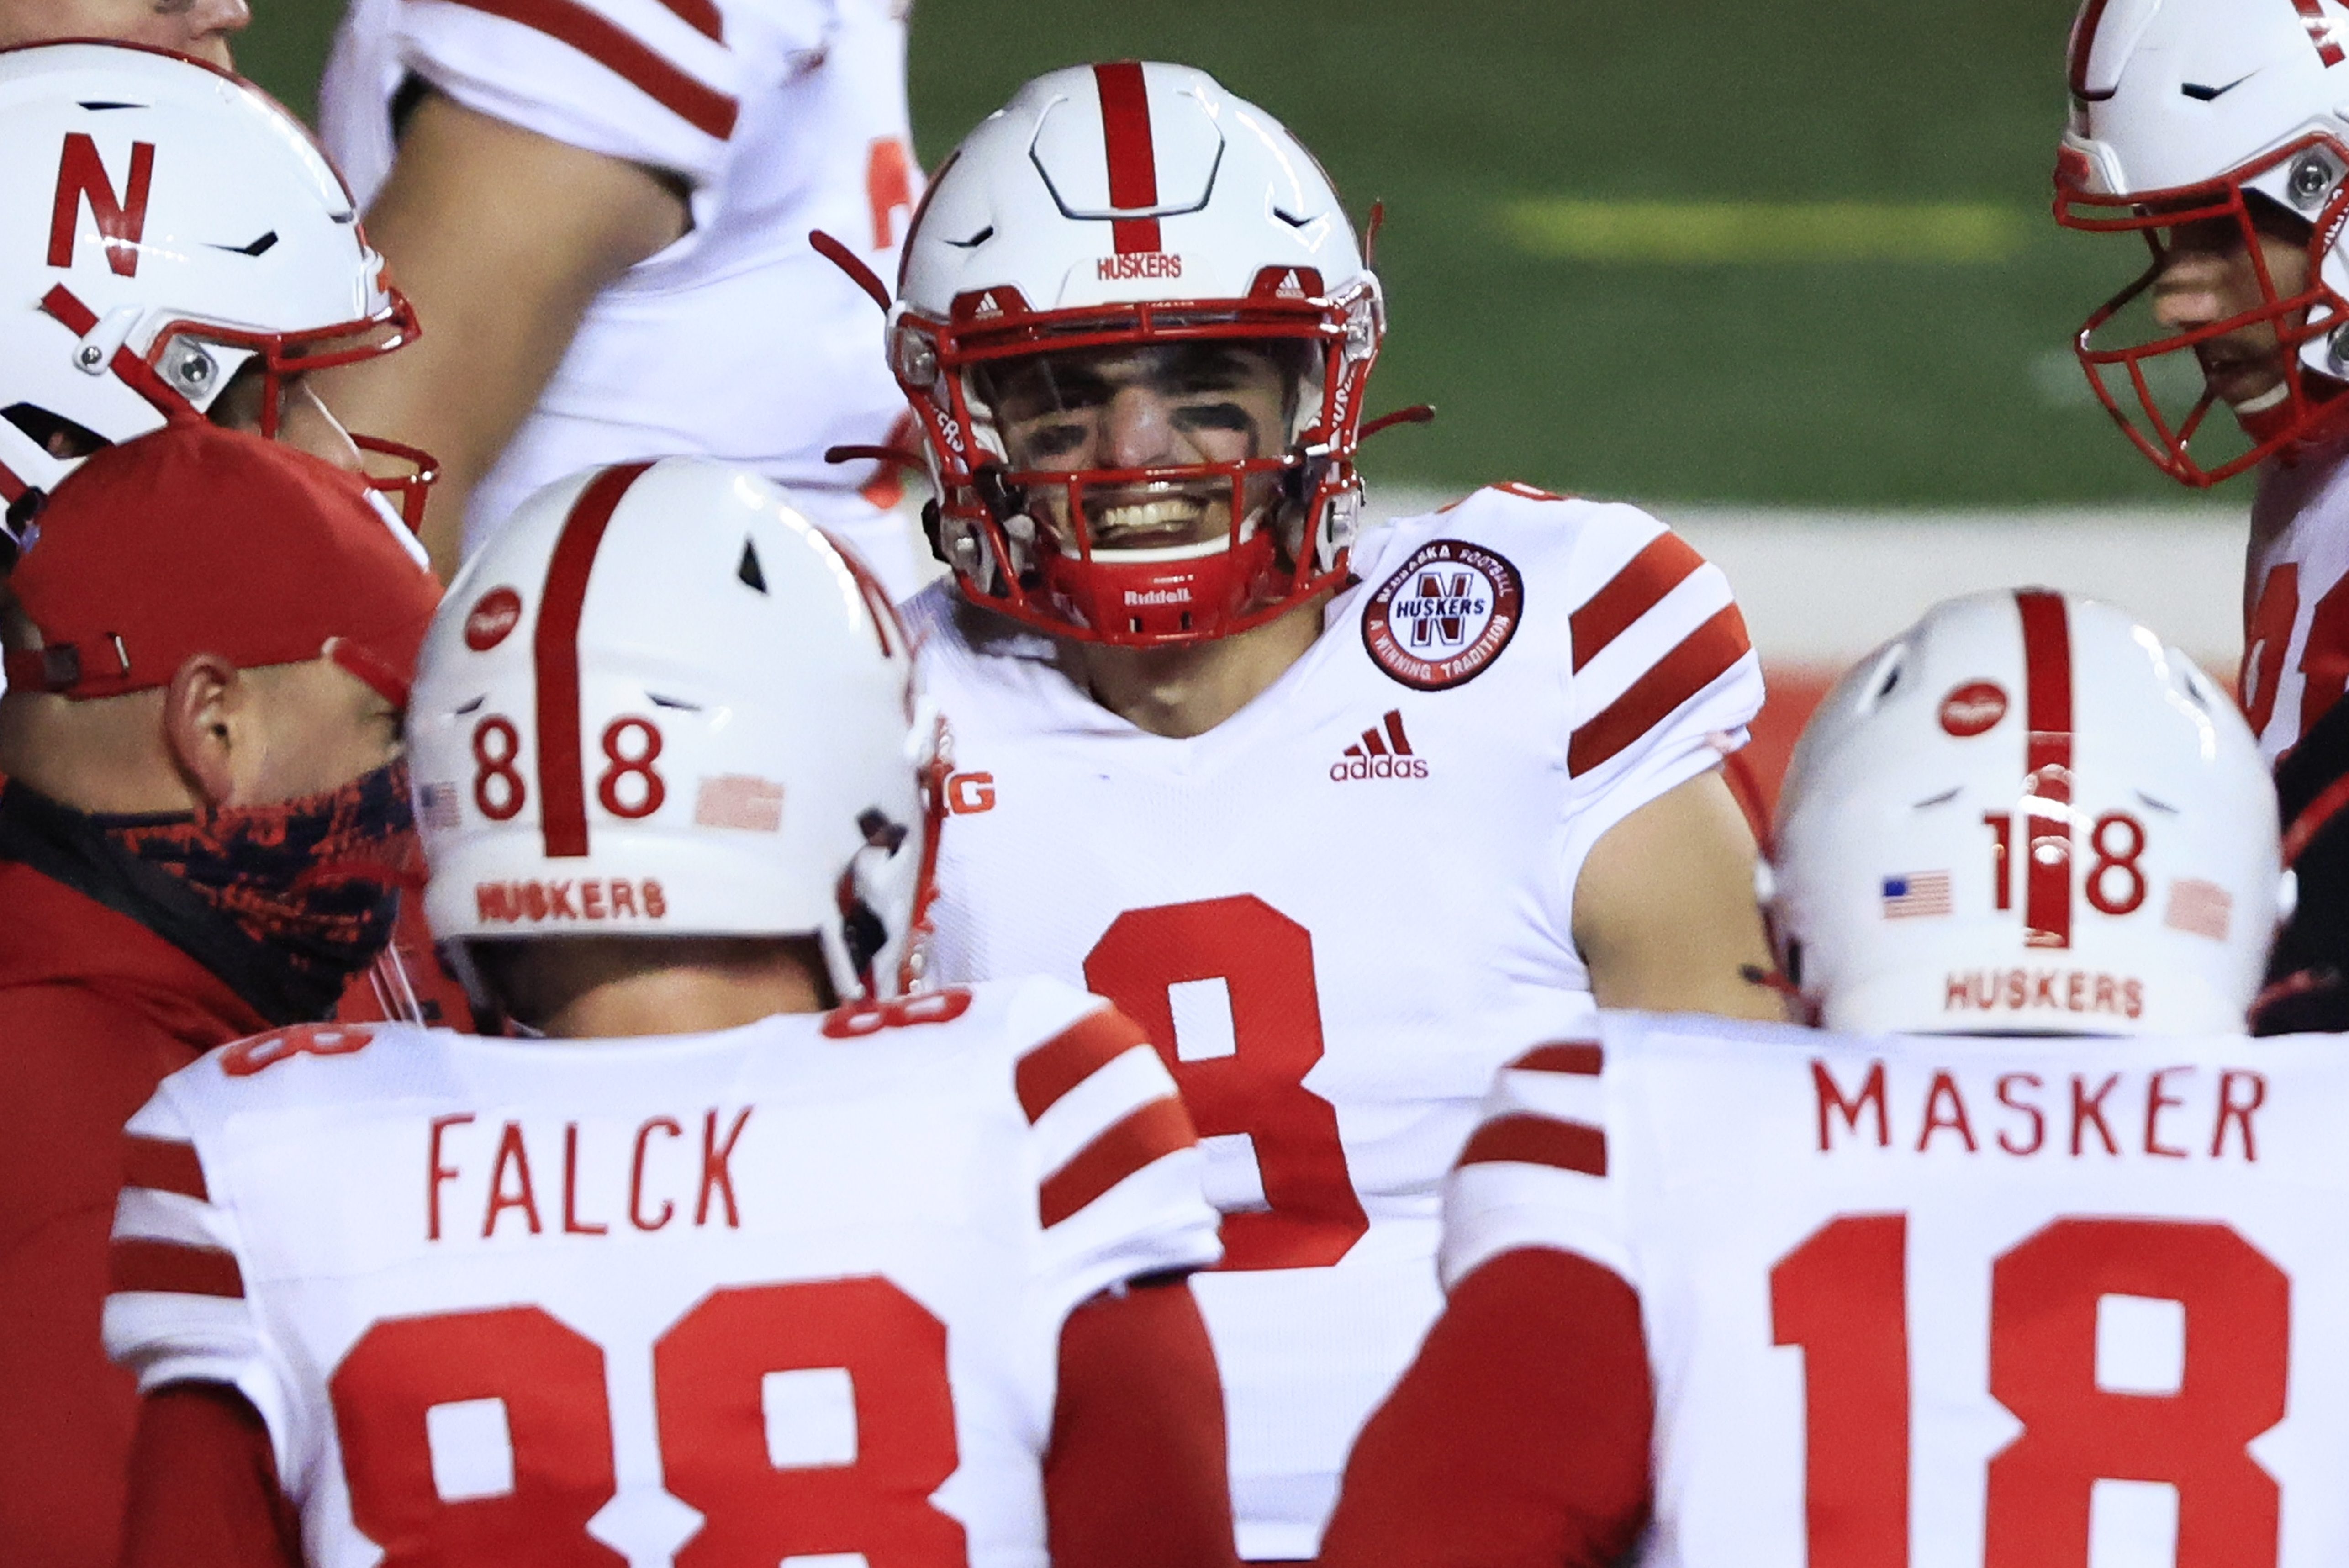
<point>1664,913</point>
<point>1519,1437</point>
<point>203,1485</point>
<point>501,238</point>
<point>1136,1475</point>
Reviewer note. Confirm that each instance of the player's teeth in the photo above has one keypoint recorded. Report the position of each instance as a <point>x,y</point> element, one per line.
<point>1148,514</point>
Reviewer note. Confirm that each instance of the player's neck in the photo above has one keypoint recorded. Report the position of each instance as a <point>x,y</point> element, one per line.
<point>1180,692</point>
<point>619,988</point>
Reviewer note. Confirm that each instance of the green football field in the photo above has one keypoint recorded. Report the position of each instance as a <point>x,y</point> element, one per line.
<point>1788,254</point>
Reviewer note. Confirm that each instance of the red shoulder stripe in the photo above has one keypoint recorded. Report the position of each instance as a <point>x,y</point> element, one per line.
<point>703,108</point>
<point>164,1164</point>
<point>1662,566</point>
<point>173,1269</point>
<point>1538,1140</point>
<point>1072,1056</point>
<point>1582,1057</point>
<point>1701,659</point>
<point>701,15</point>
<point>1148,1134</point>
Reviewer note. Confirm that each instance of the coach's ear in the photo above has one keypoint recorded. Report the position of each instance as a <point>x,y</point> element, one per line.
<point>207,715</point>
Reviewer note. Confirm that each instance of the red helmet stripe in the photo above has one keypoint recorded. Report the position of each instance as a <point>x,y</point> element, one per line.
<point>2047,710</point>
<point>2084,42</point>
<point>1133,154</point>
<point>561,770</point>
<point>2320,30</point>
<point>12,486</point>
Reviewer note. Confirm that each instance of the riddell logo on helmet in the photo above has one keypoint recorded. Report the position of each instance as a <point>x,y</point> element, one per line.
<point>1142,264</point>
<point>584,898</point>
<point>1973,708</point>
<point>492,619</point>
<point>1377,756</point>
<point>1159,597</point>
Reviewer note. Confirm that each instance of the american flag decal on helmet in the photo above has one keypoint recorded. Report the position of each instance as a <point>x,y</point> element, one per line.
<point>1916,893</point>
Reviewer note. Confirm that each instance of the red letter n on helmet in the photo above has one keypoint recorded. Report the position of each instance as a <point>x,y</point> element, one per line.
<point>81,176</point>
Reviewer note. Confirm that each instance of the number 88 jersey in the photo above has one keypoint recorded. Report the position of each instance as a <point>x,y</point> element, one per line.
<point>1339,910</point>
<point>793,1290</point>
<point>1952,1302</point>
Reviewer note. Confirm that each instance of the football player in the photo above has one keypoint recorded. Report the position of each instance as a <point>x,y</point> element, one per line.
<point>603,209</point>
<point>2015,1289</point>
<point>2220,131</point>
<point>177,244</point>
<point>741,1254</point>
<point>1343,822</point>
<point>198,27</point>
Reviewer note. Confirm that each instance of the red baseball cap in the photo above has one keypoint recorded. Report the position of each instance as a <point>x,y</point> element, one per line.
<point>199,540</point>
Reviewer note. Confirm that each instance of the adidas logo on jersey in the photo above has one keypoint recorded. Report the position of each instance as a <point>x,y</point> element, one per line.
<point>1387,756</point>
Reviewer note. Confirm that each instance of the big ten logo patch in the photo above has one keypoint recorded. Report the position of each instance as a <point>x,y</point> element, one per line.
<point>1444,615</point>
<point>247,1057</point>
<point>968,794</point>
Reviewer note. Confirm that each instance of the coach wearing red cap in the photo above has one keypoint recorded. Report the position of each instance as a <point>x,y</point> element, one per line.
<point>203,833</point>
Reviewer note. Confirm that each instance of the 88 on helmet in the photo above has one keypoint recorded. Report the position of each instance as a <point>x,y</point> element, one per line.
<point>2027,815</point>
<point>661,703</point>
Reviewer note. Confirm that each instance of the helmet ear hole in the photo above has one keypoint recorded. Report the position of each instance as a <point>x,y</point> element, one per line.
<point>1884,679</point>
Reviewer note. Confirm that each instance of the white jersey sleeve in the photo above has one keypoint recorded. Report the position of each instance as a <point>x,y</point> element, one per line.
<point>177,1310</point>
<point>1534,1174</point>
<point>1118,1165</point>
<point>655,82</point>
<point>1664,679</point>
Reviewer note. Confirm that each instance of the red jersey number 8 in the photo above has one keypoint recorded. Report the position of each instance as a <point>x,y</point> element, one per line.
<point>1265,961</point>
<point>709,1372</point>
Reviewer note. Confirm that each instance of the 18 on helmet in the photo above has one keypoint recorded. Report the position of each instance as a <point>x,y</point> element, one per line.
<point>2026,815</point>
<point>165,229</point>
<point>661,703</point>
<point>2231,117</point>
<point>1135,327</point>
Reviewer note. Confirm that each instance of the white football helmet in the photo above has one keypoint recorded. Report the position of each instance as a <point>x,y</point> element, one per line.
<point>661,703</point>
<point>167,225</point>
<point>2025,815</point>
<point>1136,210</point>
<point>2189,111</point>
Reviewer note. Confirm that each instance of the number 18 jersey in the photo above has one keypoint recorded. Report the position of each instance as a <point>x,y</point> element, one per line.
<point>1953,1302</point>
<point>793,1290</point>
<point>1338,912</point>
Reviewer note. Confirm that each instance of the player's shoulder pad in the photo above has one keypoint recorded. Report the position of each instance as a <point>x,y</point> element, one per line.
<point>1538,530</point>
<point>950,633</point>
<point>292,1062</point>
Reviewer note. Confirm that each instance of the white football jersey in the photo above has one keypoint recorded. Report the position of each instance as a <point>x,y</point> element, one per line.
<point>738,342</point>
<point>1957,1302</point>
<point>2296,597</point>
<point>793,1290</point>
<point>1340,910</point>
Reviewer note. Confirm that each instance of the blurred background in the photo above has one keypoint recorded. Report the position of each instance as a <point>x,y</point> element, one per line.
<point>1785,274</point>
